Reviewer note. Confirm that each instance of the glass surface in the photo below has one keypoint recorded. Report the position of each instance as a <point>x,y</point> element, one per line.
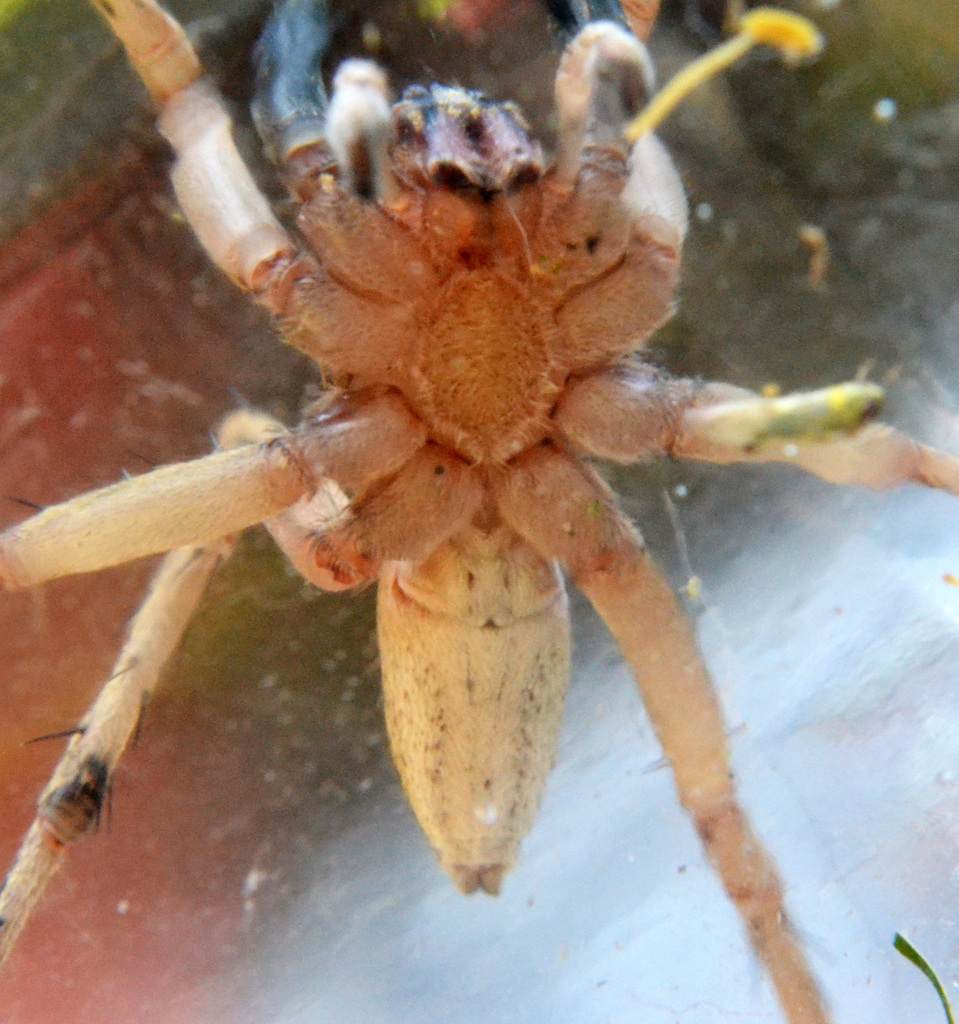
<point>259,863</point>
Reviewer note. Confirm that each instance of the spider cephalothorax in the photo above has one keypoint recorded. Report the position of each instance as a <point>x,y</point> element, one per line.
<point>478,311</point>
<point>479,283</point>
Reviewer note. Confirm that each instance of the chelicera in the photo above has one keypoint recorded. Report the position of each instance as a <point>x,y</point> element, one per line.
<point>479,311</point>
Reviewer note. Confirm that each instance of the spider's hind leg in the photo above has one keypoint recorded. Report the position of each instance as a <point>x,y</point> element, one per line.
<point>156,45</point>
<point>561,508</point>
<point>72,801</point>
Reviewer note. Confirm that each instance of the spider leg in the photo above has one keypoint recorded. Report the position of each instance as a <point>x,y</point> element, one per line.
<point>634,412</point>
<point>404,517</point>
<point>156,45</point>
<point>230,216</point>
<point>73,799</point>
<point>641,424</point>
<point>72,802</point>
<point>186,503</point>
<point>355,441</point>
<point>564,511</point>
<point>876,456</point>
<point>573,15</point>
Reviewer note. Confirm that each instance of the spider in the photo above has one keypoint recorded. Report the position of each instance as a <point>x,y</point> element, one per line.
<point>478,310</point>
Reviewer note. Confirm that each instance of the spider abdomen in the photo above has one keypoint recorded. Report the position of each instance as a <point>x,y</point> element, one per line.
<point>475,651</point>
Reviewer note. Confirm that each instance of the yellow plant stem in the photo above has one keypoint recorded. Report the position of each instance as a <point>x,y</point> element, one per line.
<point>795,37</point>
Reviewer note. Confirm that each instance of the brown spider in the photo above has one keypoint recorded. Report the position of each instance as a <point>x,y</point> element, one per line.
<point>477,310</point>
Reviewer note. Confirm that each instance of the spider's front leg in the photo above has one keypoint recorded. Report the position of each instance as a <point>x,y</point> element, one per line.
<point>573,15</point>
<point>564,511</point>
<point>224,207</point>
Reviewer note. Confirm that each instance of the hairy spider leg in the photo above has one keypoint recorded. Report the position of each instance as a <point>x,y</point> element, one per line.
<point>878,456</point>
<point>562,508</point>
<point>71,804</point>
<point>184,503</point>
<point>632,413</point>
<point>73,799</point>
<point>230,216</point>
<point>191,506</point>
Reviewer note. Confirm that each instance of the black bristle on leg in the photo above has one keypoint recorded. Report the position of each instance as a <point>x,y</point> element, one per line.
<point>289,100</point>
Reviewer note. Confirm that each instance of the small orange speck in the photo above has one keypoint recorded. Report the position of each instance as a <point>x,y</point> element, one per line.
<point>953,581</point>
<point>814,239</point>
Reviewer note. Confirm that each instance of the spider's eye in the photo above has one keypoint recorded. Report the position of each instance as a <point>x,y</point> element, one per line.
<point>526,174</point>
<point>449,175</point>
<point>474,129</point>
<point>405,129</point>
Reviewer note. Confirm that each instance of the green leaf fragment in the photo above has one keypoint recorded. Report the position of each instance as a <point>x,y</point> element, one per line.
<point>10,8</point>
<point>906,948</point>
<point>430,10</point>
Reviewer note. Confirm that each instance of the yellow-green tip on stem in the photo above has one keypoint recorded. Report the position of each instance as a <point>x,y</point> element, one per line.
<point>795,37</point>
<point>805,416</point>
<point>909,951</point>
